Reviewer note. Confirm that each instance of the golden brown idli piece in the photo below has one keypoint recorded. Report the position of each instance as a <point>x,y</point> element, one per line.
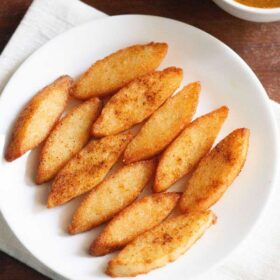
<point>188,148</point>
<point>216,172</point>
<point>111,196</point>
<point>164,124</point>
<point>134,220</point>
<point>116,70</point>
<point>87,168</point>
<point>38,117</point>
<point>137,101</point>
<point>160,245</point>
<point>67,138</point>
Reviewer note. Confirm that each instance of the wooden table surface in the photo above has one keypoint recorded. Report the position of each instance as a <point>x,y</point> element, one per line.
<point>258,44</point>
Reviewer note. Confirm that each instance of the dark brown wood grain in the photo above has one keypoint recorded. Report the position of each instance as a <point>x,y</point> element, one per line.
<point>257,43</point>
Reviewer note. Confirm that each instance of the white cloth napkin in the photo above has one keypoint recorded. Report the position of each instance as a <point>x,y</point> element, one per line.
<point>257,258</point>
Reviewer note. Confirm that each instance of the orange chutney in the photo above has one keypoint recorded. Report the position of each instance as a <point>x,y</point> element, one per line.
<point>260,3</point>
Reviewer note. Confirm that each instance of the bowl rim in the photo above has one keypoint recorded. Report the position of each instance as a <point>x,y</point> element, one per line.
<point>252,10</point>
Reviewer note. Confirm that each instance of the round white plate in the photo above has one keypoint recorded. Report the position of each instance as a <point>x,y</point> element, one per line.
<point>225,79</point>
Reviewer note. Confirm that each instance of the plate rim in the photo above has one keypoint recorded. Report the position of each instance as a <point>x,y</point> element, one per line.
<point>264,96</point>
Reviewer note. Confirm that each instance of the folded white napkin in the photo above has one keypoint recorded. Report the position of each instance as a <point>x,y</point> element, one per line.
<point>257,258</point>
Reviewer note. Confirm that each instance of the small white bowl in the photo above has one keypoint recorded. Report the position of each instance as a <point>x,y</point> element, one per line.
<point>249,13</point>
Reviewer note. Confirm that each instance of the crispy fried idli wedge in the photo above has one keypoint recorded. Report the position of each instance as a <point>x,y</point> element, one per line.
<point>216,172</point>
<point>134,220</point>
<point>188,148</point>
<point>67,138</point>
<point>111,196</point>
<point>160,245</point>
<point>38,117</point>
<point>137,101</point>
<point>116,70</point>
<point>164,124</point>
<point>87,168</point>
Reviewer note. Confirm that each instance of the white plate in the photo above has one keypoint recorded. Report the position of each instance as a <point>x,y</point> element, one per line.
<point>225,78</point>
